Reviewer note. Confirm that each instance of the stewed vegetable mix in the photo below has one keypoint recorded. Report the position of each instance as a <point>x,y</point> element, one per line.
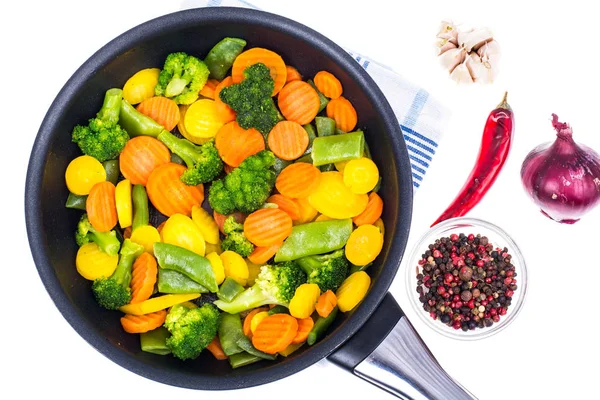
<point>295,215</point>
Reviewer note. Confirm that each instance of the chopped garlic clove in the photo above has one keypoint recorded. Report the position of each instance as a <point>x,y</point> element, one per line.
<point>475,38</point>
<point>451,58</point>
<point>443,45</point>
<point>489,50</point>
<point>481,72</point>
<point>461,75</point>
<point>448,31</point>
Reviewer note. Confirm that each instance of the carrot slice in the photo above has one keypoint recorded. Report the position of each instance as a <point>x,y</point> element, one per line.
<point>292,74</point>
<point>343,112</point>
<point>305,325</point>
<point>208,90</point>
<point>288,140</point>
<point>143,278</point>
<point>248,320</point>
<point>162,110</point>
<point>261,255</point>
<point>171,196</point>
<point>141,155</point>
<point>143,323</point>
<point>220,219</point>
<point>235,143</point>
<point>225,112</point>
<point>215,348</point>
<point>371,213</point>
<point>328,84</point>
<point>275,333</point>
<point>259,55</point>
<point>267,226</point>
<point>326,303</point>
<point>298,102</point>
<point>298,180</point>
<point>286,204</point>
<point>101,207</point>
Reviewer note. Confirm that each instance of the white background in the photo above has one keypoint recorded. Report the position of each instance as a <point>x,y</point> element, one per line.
<point>550,65</point>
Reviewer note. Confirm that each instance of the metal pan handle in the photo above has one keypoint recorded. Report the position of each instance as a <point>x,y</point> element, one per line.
<point>389,353</point>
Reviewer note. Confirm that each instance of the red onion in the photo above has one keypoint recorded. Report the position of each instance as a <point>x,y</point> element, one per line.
<point>562,178</point>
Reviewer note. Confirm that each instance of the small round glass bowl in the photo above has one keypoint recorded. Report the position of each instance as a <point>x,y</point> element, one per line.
<point>498,238</point>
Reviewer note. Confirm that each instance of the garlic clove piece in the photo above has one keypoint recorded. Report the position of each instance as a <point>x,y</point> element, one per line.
<point>481,72</point>
<point>448,31</point>
<point>443,45</point>
<point>489,50</point>
<point>451,58</point>
<point>461,75</point>
<point>475,38</point>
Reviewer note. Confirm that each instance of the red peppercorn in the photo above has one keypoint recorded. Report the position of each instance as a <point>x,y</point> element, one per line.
<point>510,273</point>
<point>454,249</point>
<point>456,298</point>
<point>427,284</point>
<point>488,280</point>
<point>487,315</point>
<point>484,302</point>
<point>448,277</point>
<point>446,296</point>
<point>480,249</point>
<point>426,278</point>
<point>471,237</point>
<point>454,237</point>
<point>431,302</point>
<point>490,298</point>
<point>471,303</point>
<point>493,311</point>
<point>471,255</point>
<point>479,263</point>
<point>441,290</point>
<point>456,325</point>
<point>422,261</point>
<point>507,281</point>
<point>456,279</point>
<point>433,315</point>
<point>502,311</point>
<point>459,304</point>
<point>474,283</point>
<point>437,254</point>
<point>509,293</point>
<point>495,318</point>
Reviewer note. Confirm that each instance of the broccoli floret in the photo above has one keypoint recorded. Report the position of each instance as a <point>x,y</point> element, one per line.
<point>235,239</point>
<point>231,225</point>
<point>251,99</point>
<point>192,329</point>
<point>247,187</point>
<point>103,138</point>
<point>328,270</point>
<point>274,285</point>
<point>203,162</point>
<point>181,78</point>
<point>114,292</point>
<point>106,241</point>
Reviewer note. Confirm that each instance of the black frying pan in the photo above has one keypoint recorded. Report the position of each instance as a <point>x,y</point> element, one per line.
<point>375,341</point>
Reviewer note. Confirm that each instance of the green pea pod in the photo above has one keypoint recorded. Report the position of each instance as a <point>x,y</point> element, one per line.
<point>242,359</point>
<point>186,262</point>
<point>314,238</point>
<point>336,148</point>
<point>112,171</point>
<point>325,126</point>
<point>174,282</point>
<point>141,213</point>
<point>230,331</point>
<point>322,99</point>
<point>221,57</point>
<point>245,344</point>
<point>321,326</point>
<point>230,288</point>
<point>279,309</point>
<point>155,341</point>
<point>312,134</point>
<point>136,123</point>
<point>76,201</point>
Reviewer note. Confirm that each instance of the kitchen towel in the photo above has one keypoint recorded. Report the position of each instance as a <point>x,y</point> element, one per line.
<point>421,117</point>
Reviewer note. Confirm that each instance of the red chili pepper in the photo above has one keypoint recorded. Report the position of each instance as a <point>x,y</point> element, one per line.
<point>495,145</point>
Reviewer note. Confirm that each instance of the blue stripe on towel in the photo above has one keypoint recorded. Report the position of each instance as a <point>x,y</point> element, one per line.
<point>418,135</point>
<point>415,108</point>
<point>419,144</point>
<point>214,3</point>
<point>423,163</point>
<point>419,170</point>
<point>418,152</point>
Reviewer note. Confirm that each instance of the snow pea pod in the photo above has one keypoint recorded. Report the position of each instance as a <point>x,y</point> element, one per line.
<point>322,99</point>
<point>229,289</point>
<point>336,148</point>
<point>230,331</point>
<point>242,359</point>
<point>155,341</point>
<point>325,126</point>
<point>220,58</point>
<point>173,282</point>
<point>315,238</point>
<point>186,262</point>
<point>136,124</point>
<point>320,327</point>
<point>245,344</point>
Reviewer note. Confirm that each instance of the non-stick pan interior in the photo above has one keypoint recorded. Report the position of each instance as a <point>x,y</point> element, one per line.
<point>51,225</point>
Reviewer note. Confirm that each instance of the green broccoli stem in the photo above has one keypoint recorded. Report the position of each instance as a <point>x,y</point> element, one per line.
<point>310,263</point>
<point>185,149</point>
<point>111,107</point>
<point>252,297</point>
<point>176,86</point>
<point>129,252</point>
<point>107,241</point>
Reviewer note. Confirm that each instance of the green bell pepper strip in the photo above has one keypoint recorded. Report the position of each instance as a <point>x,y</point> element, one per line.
<point>186,262</point>
<point>242,359</point>
<point>312,134</point>
<point>141,213</point>
<point>245,344</point>
<point>336,148</point>
<point>321,326</point>
<point>76,201</point>
<point>155,341</point>
<point>278,309</point>
<point>322,99</point>
<point>230,331</point>
<point>325,126</point>
<point>112,171</point>
<point>230,288</point>
<point>174,282</point>
<point>136,123</point>
<point>221,57</point>
<point>314,238</point>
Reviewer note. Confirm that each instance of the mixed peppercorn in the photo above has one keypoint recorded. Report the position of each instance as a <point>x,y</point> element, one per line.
<point>466,283</point>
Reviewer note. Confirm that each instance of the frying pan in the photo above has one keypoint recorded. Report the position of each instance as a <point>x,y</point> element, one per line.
<point>375,341</point>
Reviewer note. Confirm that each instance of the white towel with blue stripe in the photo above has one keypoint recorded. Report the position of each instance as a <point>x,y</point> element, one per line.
<point>421,117</point>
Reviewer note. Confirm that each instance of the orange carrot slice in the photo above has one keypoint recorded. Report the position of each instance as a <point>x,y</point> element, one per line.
<point>372,212</point>
<point>328,84</point>
<point>162,110</point>
<point>171,196</point>
<point>101,207</point>
<point>326,303</point>
<point>298,180</point>
<point>259,55</point>
<point>286,204</point>
<point>235,143</point>
<point>298,102</point>
<point>208,90</point>
<point>143,323</point>
<point>225,112</point>
<point>275,333</point>
<point>141,155</point>
<point>261,255</point>
<point>288,140</point>
<point>292,74</point>
<point>248,320</point>
<point>215,348</point>
<point>343,112</point>
<point>143,278</point>
<point>305,325</point>
<point>267,226</point>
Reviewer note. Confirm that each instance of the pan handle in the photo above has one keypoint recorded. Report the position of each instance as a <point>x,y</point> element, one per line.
<point>389,353</point>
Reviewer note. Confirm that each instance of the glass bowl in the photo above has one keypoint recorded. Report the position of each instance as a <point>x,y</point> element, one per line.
<point>497,237</point>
